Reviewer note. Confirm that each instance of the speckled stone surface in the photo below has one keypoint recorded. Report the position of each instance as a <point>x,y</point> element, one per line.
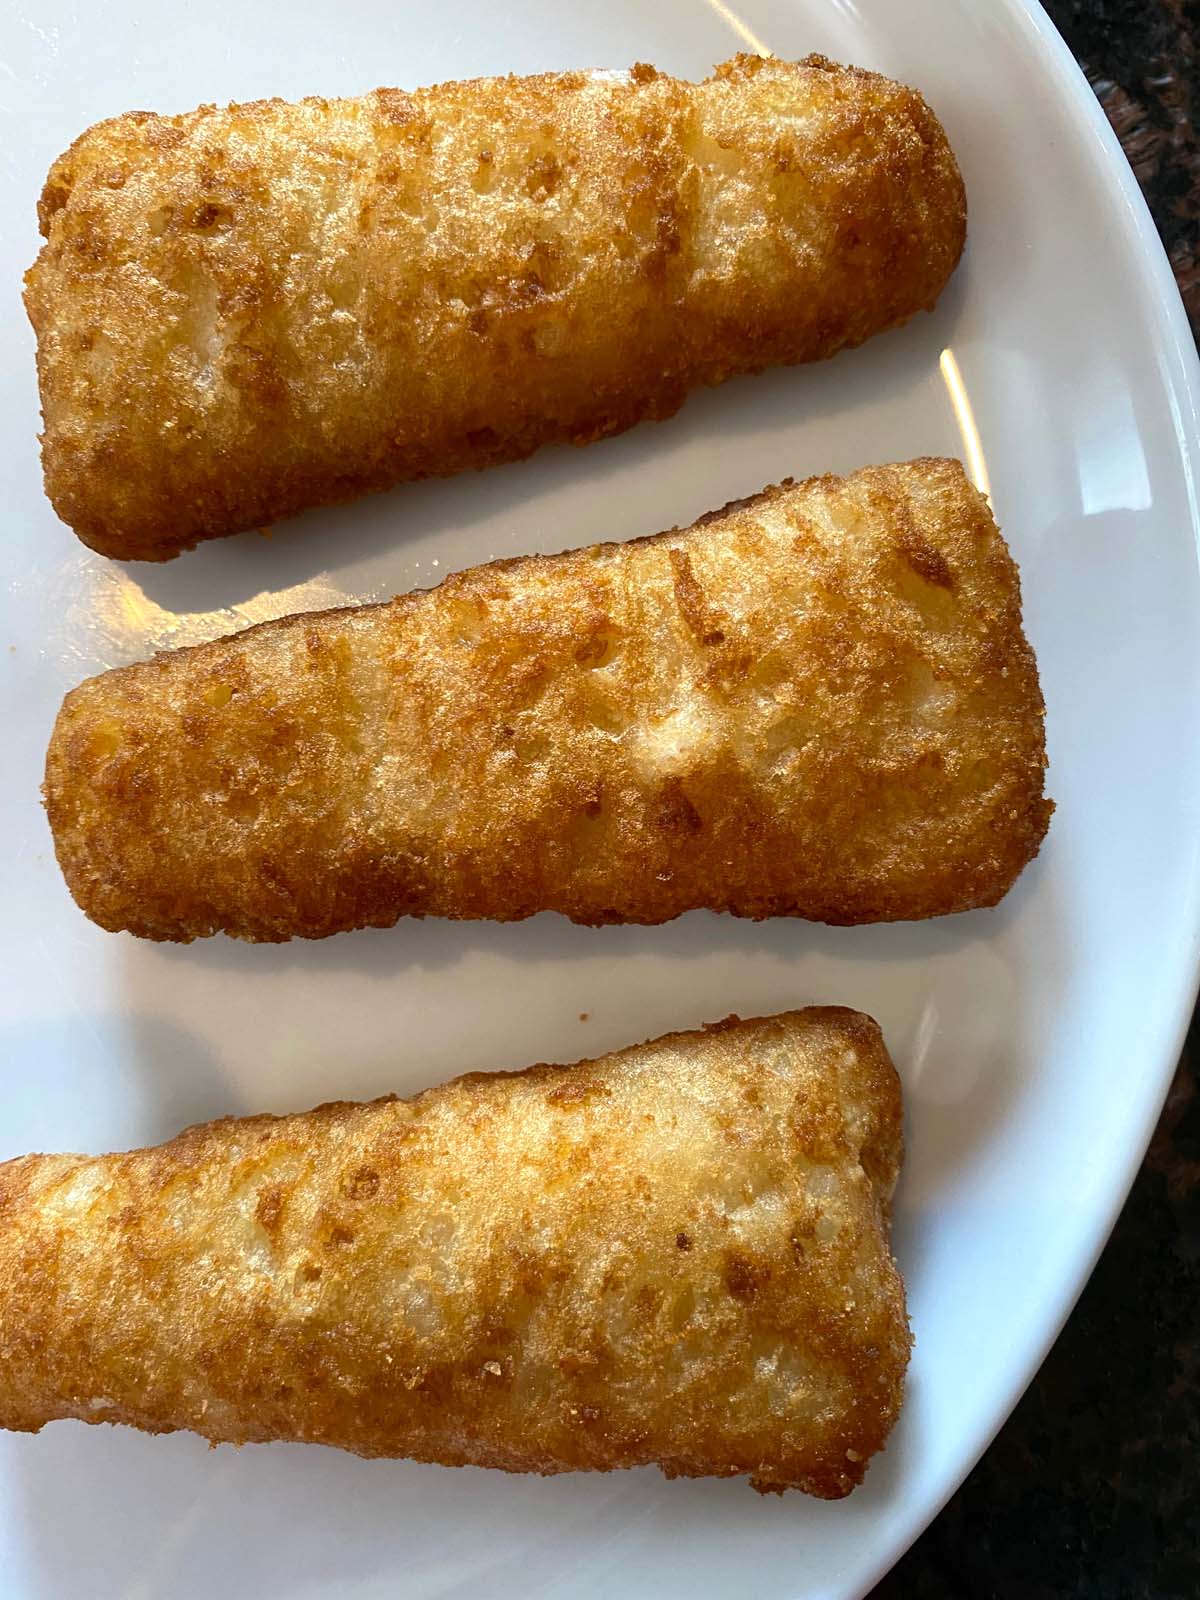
<point>1092,1489</point>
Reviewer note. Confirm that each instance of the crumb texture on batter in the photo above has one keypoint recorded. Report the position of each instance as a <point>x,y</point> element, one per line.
<point>242,312</point>
<point>677,1254</point>
<point>818,703</point>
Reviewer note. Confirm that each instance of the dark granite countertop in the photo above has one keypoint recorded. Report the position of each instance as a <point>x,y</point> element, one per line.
<point>1092,1488</point>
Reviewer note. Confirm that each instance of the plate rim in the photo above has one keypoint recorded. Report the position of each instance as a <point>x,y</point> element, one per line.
<point>1163,1052</point>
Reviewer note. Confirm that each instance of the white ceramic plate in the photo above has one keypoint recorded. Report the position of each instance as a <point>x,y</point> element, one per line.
<point>1035,1041</point>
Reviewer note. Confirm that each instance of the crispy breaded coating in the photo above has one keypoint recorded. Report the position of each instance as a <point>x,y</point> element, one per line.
<point>817,703</point>
<point>244,312</point>
<point>677,1254</point>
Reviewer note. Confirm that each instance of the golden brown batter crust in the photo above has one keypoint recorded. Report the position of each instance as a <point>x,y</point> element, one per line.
<point>676,1254</point>
<point>816,703</point>
<point>244,312</point>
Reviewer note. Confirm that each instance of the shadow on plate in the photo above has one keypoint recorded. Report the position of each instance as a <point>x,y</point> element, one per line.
<point>110,1082</point>
<point>429,943</point>
<point>966,1065</point>
<point>305,1519</point>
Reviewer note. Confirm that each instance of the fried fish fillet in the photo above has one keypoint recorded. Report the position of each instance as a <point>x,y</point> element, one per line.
<point>244,312</point>
<point>818,703</point>
<point>677,1254</point>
